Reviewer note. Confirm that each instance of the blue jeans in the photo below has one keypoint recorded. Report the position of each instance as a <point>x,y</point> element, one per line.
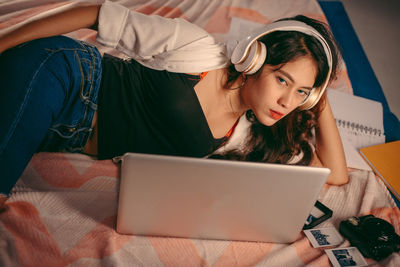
<point>48,96</point>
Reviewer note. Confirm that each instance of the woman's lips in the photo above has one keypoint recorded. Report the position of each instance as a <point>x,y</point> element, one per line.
<point>275,114</point>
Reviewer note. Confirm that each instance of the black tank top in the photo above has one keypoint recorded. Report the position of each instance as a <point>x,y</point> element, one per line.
<point>149,111</point>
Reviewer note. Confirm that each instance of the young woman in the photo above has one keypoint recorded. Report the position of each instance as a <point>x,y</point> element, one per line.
<point>180,95</point>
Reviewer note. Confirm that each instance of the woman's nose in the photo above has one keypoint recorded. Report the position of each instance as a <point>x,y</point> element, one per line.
<point>285,100</point>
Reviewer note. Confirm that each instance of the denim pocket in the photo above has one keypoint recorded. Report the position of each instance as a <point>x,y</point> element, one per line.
<point>66,138</point>
<point>72,127</point>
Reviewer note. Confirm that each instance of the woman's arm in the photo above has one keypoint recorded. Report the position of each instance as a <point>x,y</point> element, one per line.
<point>329,148</point>
<point>160,43</point>
<point>67,21</point>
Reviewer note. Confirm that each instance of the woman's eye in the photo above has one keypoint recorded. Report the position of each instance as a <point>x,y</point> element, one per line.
<point>281,81</point>
<point>303,92</point>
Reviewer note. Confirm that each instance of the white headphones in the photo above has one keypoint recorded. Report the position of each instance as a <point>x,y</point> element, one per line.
<point>249,54</point>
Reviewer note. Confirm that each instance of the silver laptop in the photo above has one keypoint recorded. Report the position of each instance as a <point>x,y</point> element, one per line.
<point>215,199</point>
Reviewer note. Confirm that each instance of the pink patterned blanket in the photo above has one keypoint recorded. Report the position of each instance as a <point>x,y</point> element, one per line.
<point>63,209</point>
<point>63,212</point>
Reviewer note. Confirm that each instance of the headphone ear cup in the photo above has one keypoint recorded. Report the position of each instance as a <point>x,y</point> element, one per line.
<point>254,59</point>
<point>312,99</point>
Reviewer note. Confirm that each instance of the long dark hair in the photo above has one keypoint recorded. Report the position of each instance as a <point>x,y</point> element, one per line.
<point>291,135</point>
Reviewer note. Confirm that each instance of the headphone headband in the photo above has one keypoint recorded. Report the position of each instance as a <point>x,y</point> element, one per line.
<point>248,59</point>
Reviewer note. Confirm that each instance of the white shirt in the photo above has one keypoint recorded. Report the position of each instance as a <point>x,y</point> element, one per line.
<point>159,43</point>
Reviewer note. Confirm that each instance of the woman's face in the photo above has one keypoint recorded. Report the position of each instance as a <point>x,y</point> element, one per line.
<point>278,91</point>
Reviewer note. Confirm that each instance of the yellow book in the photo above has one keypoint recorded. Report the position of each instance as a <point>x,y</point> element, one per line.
<point>384,159</point>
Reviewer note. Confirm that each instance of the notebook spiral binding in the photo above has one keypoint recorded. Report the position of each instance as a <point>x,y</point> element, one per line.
<point>359,128</point>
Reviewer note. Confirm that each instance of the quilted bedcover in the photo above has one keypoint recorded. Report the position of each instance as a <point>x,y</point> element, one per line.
<point>62,212</point>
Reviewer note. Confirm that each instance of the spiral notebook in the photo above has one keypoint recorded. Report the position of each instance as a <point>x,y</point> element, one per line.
<point>360,124</point>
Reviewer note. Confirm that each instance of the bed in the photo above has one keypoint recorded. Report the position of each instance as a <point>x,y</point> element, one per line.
<point>62,212</point>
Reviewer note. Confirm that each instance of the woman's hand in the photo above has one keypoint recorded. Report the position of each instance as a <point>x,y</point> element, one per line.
<point>64,22</point>
<point>329,148</point>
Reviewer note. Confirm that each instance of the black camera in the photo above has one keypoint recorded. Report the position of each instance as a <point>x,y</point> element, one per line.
<point>374,237</point>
